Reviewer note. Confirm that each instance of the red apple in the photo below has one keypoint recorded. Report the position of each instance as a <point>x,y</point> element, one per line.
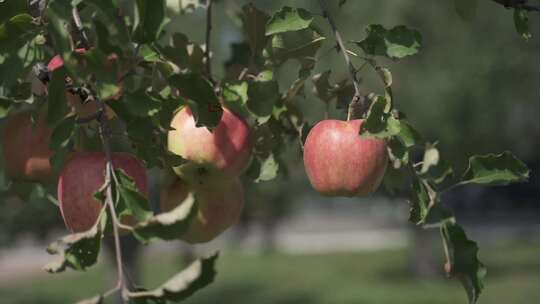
<point>26,148</point>
<point>82,176</point>
<point>339,162</point>
<point>219,207</point>
<point>223,153</point>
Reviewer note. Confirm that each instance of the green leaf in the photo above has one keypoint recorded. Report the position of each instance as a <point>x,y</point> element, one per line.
<point>379,123</point>
<point>295,45</point>
<point>466,9</point>
<point>77,251</point>
<point>135,203</point>
<point>141,104</point>
<point>11,8</point>
<point>297,88</point>
<point>494,170</point>
<point>205,106</point>
<point>181,286</point>
<point>521,21</point>
<point>437,215</point>
<point>235,97</point>
<point>149,54</point>
<point>433,167</point>
<point>463,260</point>
<point>184,53</point>
<point>399,154</point>
<point>57,104</point>
<point>322,87</point>
<point>408,135</point>
<point>5,105</point>
<point>169,225</point>
<point>288,19</point>
<point>265,169</point>
<point>16,32</point>
<point>396,43</point>
<point>59,14</point>
<point>149,20</point>
<point>419,202</point>
<point>254,25</point>
<point>263,93</point>
<point>426,207</point>
<point>104,41</point>
<point>107,12</point>
<point>62,133</point>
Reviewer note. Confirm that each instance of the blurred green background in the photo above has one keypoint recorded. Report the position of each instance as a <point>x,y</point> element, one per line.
<point>474,88</point>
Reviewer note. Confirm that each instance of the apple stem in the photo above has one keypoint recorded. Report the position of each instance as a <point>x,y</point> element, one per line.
<point>208,39</point>
<point>358,101</point>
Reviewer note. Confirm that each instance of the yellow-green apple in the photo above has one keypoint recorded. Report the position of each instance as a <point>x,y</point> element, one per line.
<point>26,148</point>
<point>82,176</point>
<point>339,162</point>
<point>223,153</point>
<point>219,207</point>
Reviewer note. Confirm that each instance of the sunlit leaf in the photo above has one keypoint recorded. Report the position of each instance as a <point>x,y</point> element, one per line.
<point>463,260</point>
<point>181,286</point>
<point>494,170</point>
<point>288,19</point>
<point>169,225</point>
<point>398,42</point>
<point>77,251</point>
<point>205,106</point>
<point>135,203</point>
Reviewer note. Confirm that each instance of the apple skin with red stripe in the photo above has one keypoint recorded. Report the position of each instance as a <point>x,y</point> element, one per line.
<point>82,176</point>
<point>223,153</point>
<point>339,162</point>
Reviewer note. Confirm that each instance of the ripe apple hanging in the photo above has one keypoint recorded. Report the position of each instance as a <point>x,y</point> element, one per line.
<point>339,162</point>
<point>82,176</point>
<point>213,156</point>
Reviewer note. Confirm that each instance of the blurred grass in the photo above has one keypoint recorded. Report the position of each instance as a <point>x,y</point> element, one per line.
<point>377,277</point>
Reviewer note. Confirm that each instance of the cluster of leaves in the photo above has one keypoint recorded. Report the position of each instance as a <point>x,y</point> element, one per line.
<point>432,176</point>
<point>156,76</point>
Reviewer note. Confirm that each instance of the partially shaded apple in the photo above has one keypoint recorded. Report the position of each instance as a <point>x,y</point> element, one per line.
<point>82,176</point>
<point>223,153</point>
<point>339,162</point>
<point>219,207</point>
<point>26,148</point>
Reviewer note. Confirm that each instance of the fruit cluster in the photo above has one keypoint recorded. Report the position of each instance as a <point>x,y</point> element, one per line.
<point>338,162</point>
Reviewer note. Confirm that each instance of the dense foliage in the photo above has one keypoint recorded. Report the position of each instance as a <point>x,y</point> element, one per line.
<point>130,69</point>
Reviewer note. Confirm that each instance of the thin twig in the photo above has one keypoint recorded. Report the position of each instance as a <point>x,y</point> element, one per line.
<point>518,4</point>
<point>208,39</point>
<point>105,133</point>
<point>80,27</point>
<point>358,99</point>
<point>109,171</point>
